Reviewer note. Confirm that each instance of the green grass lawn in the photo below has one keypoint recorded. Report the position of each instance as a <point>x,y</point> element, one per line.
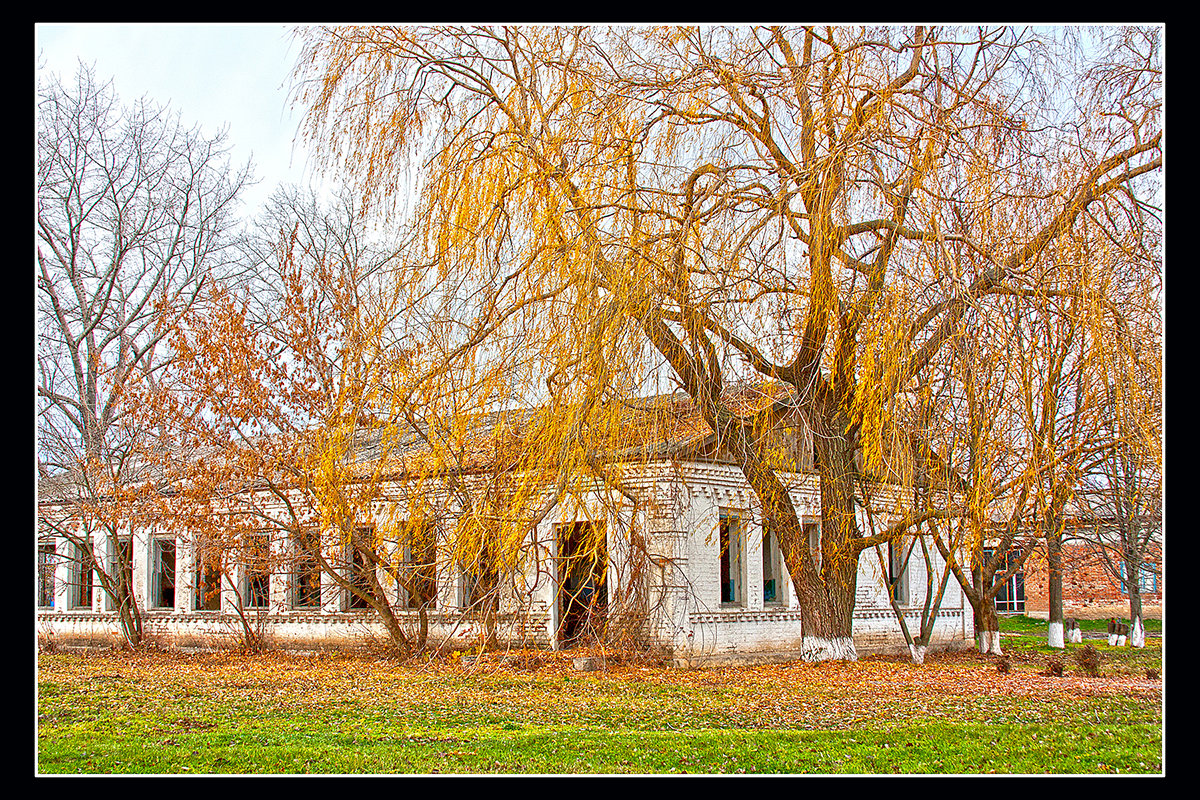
<point>224,713</point>
<point>1019,623</point>
<point>1024,639</point>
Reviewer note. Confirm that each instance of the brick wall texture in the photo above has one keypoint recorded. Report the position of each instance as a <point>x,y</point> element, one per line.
<point>1089,591</point>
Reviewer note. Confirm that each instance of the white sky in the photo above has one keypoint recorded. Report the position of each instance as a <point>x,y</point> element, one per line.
<point>214,75</point>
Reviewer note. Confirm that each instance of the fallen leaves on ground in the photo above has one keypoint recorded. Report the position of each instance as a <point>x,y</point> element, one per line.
<point>501,688</point>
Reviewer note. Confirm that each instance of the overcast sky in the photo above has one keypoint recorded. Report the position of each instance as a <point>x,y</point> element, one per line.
<point>214,75</point>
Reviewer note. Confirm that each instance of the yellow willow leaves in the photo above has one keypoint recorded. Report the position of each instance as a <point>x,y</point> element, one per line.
<point>601,203</point>
<point>881,410</point>
<point>371,55</point>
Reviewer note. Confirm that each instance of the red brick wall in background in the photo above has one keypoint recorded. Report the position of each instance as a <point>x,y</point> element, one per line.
<point>1088,589</point>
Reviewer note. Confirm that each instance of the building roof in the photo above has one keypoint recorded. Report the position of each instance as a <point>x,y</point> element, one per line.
<point>658,427</point>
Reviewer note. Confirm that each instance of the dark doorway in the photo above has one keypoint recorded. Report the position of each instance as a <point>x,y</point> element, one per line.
<point>582,591</point>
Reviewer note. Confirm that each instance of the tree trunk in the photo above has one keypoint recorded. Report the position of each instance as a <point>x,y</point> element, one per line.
<point>250,637</point>
<point>112,577</point>
<point>374,595</point>
<point>1137,630</point>
<point>987,635</point>
<point>1054,588</point>
<point>422,628</point>
<point>983,607</point>
<point>131,621</point>
<point>410,588</point>
<point>976,615</point>
<point>128,614</point>
<point>379,604</point>
<point>827,597</point>
<point>376,598</point>
<point>827,614</point>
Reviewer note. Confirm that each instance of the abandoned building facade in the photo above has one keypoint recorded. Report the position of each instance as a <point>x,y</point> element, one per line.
<point>683,563</point>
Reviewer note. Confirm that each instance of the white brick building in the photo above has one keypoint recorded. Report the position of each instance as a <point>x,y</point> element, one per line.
<point>684,566</point>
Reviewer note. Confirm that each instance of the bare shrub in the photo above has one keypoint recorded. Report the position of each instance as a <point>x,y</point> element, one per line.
<point>1054,667</point>
<point>1087,659</point>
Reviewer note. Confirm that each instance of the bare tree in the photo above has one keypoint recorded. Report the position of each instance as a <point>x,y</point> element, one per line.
<point>1120,498</point>
<point>134,216</point>
<point>278,402</point>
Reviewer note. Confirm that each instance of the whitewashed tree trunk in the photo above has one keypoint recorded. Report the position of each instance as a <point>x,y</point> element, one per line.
<point>918,653</point>
<point>989,643</point>
<point>1138,636</point>
<point>818,649</point>
<point>1054,587</point>
<point>1055,638</point>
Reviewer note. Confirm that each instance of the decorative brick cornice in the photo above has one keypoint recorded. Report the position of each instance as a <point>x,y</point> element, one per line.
<point>281,618</point>
<point>741,615</point>
<point>909,613</point>
<point>735,616</point>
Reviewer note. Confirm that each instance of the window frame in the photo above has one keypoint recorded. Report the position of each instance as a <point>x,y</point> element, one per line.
<point>81,594</point>
<point>302,567</point>
<point>469,580</point>
<point>357,571</point>
<point>47,574</point>
<point>156,588</point>
<point>206,570</point>
<point>1011,598</point>
<point>476,585</point>
<point>773,556</point>
<point>731,558</point>
<point>899,564</point>
<point>256,577</point>
<point>1147,570</point>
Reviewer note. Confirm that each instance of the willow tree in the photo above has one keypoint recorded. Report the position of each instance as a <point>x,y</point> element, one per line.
<point>1121,497</point>
<point>818,207</point>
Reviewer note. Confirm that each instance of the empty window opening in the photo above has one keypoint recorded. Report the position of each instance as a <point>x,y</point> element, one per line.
<point>162,576</point>
<point>306,571</point>
<point>419,568</point>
